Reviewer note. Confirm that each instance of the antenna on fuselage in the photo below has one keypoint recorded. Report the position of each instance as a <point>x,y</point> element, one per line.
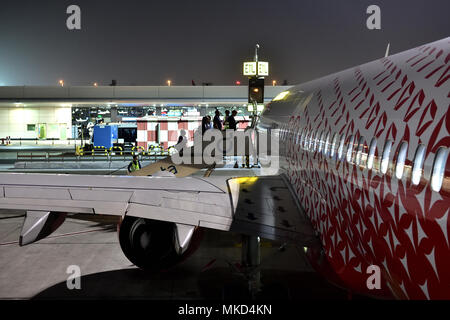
<point>387,50</point>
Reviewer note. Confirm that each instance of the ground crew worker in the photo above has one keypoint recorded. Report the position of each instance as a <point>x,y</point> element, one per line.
<point>217,123</point>
<point>225,120</point>
<point>134,165</point>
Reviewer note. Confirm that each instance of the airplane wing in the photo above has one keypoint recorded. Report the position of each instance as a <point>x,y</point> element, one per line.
<point>166,164</point>
<point>262,206</point>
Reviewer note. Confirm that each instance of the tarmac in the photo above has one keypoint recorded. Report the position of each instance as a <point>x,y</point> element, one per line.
<point>40,270</point>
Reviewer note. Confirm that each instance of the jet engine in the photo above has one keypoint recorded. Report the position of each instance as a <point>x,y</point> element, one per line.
<point>157,245</point>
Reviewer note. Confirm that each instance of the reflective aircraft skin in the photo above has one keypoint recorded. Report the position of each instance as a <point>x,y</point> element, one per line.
<point>366,150</point>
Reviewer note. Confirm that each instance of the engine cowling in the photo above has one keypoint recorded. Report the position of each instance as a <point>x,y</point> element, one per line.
<point>152,244</point>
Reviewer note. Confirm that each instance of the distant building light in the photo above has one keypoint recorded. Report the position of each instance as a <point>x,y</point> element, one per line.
<point>238,83</point>
<point>274,83</point>
<point>61,83</point>
<point>259,108</point>
<point>169,83</point>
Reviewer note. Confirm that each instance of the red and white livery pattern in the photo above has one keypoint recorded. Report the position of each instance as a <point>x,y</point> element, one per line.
<point>371,212</point>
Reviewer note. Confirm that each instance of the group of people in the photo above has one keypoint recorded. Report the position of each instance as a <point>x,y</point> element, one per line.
<point>229,121</point>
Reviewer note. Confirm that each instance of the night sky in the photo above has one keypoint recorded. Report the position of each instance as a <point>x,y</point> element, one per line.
<point>147,42</point>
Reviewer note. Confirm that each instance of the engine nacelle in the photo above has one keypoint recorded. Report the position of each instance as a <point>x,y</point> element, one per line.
<point>156,245</point>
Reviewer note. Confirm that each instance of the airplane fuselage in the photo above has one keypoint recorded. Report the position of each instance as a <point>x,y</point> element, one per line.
<point>366,151</point>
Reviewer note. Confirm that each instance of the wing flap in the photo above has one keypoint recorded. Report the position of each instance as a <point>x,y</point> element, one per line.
<point>180,216</point>
<point>34,193</point>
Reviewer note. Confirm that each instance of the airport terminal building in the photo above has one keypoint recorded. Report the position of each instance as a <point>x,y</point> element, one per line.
<point>158,113</point>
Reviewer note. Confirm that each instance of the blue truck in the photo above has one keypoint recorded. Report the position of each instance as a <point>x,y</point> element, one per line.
<point>105,136</point>
<point>122,135</point>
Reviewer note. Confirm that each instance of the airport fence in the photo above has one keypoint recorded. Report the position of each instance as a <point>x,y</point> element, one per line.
<point>42,142</point>
<point>97,154</point>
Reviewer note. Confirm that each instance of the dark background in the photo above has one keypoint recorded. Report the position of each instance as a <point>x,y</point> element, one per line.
<point>147,42</point>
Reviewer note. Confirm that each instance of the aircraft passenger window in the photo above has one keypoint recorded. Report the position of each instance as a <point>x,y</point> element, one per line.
<point>321,141</point>
<point>327,145</point>
<point>316,141</point>
<point>385,159</point>
<point>401,157</point>
<point>350,148</point>
<point>419,157</point>
<point>312,141</point>
<point>341,148</point>
<point>334,145</point>
<point>359,150</point>
<point>372,149</point>
<point>302,137</point>
<point>300,133</point>
<point>306,141</point>
<point>308,138</point>
<point>437,175</point>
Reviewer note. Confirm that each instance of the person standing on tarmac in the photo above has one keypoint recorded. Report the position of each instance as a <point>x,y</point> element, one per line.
<point>232,123</point>
<point>216,121</point>
<point>225,120</point>
<point>206,124</point>
<point>134,165</point>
